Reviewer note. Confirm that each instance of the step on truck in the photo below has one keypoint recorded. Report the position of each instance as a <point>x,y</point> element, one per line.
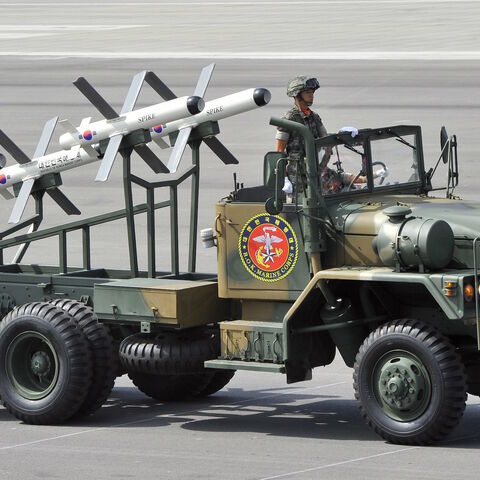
<point>382,269</point>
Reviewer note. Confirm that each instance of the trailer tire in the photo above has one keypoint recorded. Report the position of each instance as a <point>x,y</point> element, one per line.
<point>409,383</point>
<point>170,353</point>
<point>165,388</point>
<point>101,345</point>
<point>45,364</point>
<point>219,379</point>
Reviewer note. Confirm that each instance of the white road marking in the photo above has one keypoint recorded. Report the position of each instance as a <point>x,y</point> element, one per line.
<point>325,55</point>
<point>330,465</point>
<point>230,4</point>
<point>65,28</point>
<point>156,417</point>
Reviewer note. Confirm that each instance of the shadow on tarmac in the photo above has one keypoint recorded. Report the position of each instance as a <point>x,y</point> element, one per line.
<point>268,411</point>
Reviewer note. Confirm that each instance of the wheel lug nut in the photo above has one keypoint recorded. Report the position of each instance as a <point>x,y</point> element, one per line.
<point>411,390</point>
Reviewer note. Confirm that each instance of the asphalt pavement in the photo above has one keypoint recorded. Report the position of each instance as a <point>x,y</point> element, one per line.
<point>379,63</point>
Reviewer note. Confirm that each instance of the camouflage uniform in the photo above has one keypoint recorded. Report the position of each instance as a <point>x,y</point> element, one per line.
<point>295,145</point>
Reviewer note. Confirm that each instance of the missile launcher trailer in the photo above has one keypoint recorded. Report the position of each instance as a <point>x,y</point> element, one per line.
<point>380,269</point>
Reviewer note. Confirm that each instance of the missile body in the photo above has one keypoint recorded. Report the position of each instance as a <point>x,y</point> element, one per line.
<point>51,163</point>
<point>143,118</point>
<point>217,109</point>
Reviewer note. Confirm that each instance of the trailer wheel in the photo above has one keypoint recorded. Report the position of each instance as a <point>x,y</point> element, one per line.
<point>409,383</point>
<point>45,364</point>
<point>170,387</point>
<point>170,353</point>
<point>219,379</point>
<point>103,355</point>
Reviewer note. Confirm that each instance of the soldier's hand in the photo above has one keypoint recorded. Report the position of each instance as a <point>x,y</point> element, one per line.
<point>287,186</point>
<point>382,172</point>
<point>352,130</point>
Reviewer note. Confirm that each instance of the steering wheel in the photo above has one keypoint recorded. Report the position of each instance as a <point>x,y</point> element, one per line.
<point>382,179</point>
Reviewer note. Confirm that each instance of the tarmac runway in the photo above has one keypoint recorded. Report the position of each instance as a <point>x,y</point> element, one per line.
<point>379,63</point>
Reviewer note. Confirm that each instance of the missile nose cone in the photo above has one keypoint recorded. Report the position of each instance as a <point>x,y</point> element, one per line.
<point>195,104</point>
<point>261,96</point>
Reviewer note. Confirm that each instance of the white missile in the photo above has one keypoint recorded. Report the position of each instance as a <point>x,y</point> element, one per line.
<point>143,118</point>
<point>214,110</point>
<point>115,127</point>
<point>27,171</point>
<point>52,163</point>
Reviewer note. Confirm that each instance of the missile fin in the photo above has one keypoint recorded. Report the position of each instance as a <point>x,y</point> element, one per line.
<point>178,149</point>
<point>133,92</point>
<point>13,149</point>
<point>95,98</point>
<point>204,80</point>
<point>21,202</point>
<point>6,194</point>
<point>85,121</point>
<point>151,159</point>
<point>45,138</point>
<point>161,143</point>
<point>68,127</point>
<point>109,158</point>
<point>220,150</point>
<point>63,202</point>
<point>152,79</point>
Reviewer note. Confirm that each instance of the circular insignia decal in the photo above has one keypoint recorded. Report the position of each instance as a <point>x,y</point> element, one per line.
<point>268,247</point>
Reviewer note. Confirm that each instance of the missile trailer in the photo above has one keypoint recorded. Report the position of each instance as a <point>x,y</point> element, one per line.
<point>377,268</point>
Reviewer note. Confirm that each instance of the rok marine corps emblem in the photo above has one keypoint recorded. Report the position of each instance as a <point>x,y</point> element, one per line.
<point>268,247</point>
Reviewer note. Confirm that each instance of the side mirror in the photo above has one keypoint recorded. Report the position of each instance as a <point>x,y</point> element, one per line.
<point>443,143</point>
<point>269,165</point>
<point>274,205</point>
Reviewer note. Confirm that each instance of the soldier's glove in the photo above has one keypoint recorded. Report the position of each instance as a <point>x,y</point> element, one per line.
<point>382,173</point>
<point>287,186</point>
<point>352,130</point>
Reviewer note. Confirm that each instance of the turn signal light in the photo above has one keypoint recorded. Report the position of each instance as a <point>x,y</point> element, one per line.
<point>468,292</point>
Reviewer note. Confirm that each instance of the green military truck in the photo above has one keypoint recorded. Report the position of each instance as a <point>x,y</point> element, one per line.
<point>380,268</point>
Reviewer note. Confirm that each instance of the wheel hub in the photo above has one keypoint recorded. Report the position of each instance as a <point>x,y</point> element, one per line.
<point>403,385</point>
<point>40,363</point>
<point>32,365</point>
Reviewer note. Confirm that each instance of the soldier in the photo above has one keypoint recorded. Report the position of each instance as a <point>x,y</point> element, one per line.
<point>302,89</point>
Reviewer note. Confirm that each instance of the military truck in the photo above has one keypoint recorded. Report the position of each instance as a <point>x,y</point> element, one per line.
<point>384,270</point>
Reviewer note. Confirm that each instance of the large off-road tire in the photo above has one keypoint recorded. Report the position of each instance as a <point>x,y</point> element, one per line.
<point>170,387</point>
<point>170,353</point>
<point>409,383</point>
<point>219,379</point>
<point>102,350</point>
<point>45,364</point>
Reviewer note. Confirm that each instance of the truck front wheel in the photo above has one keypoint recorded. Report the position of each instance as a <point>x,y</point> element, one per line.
<point>409,383</point>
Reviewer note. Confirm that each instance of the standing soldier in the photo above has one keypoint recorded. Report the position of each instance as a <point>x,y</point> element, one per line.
<point>302,89</point>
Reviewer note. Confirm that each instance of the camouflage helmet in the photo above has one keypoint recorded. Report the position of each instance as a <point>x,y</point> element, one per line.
<point>300,84</point>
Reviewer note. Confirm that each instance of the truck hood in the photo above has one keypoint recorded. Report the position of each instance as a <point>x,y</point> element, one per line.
<point>356,218</point>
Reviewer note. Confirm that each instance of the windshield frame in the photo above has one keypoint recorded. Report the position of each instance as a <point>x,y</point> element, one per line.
<point>366,137</point>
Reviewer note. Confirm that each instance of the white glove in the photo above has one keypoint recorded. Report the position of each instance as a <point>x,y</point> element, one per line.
<point>352,130</point>
<point>287,186</point>
<point>382,172</point>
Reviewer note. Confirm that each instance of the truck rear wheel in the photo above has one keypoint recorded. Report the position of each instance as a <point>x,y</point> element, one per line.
<point>102,351</point>
<point>409,383</point>
<point>45,364</point>
<point>170,387</point>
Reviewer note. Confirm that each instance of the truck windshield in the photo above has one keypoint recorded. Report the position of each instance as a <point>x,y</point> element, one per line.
<point>398,156</point>
<point>345,170</point>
